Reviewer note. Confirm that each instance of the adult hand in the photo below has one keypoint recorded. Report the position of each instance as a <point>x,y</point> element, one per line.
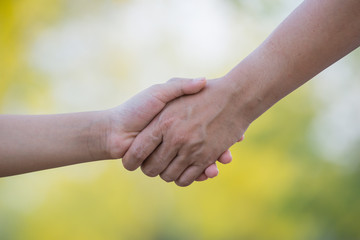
<point>212,171</point>
<point>129,119</point>
<point>188,135</point>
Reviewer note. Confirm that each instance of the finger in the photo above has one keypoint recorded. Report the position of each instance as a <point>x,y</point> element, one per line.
<point>212,171</point>
<point>226,157</point>
<point>201,178</point>
<point>159,159</point>
<point>177,87</point>
<point>174,169</point>
<point>150,102</point>
<point>144,144</point>
<point>189,175</point>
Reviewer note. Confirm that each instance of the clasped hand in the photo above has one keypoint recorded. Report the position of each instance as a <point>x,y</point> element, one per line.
<point>177,130</point>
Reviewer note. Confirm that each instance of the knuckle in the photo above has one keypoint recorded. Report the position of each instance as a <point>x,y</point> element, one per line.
<point>128,165</point>
<point>154,137</point>
<point>138,155</point>
<point>154,87</point>
<point>167,177</point>
<point>195,143</point>
<point>194,155</point>
<point>174,79</point>
<point>180,139</point>
<point>183,182</point>
<point>161,161</point>
<point>167,122</point>
<point>133,159</point>
<point>150,172</point>
<point>196,147</point>
<point>183,161</point>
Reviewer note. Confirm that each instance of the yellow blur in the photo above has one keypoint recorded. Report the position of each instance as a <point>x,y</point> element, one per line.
<point>63,55</point>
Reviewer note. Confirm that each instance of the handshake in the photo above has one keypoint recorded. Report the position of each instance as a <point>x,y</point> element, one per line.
<point>179,129</point>
<point>176,130</point>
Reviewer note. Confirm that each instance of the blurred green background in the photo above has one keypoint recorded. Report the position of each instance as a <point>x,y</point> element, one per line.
<point>296,176</point>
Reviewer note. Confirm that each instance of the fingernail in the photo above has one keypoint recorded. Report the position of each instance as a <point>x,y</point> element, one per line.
<point>199,79</point>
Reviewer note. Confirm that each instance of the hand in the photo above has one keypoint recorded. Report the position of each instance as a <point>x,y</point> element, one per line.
<point>212,171</point>
<point>129,119</point>
<point>188,135</point>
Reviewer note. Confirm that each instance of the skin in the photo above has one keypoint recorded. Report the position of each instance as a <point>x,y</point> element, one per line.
<point>32,143</point>
<point>193,131</point>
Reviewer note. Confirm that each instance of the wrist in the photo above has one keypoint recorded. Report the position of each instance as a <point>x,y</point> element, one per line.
<point>247,99</point>
<point>259,81</point>
<point>98,134</point>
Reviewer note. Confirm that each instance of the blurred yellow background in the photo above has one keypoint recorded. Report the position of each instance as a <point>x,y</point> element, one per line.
<point>296,176</point>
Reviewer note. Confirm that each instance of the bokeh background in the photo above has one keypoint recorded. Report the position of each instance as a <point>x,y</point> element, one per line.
<point>296,176</point>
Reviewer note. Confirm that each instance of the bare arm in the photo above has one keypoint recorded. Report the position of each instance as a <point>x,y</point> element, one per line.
<point>317,34</point>
<point>31,143</point>
<point>314,36</point>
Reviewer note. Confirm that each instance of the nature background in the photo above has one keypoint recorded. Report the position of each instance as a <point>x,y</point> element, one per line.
<point>296,176</point>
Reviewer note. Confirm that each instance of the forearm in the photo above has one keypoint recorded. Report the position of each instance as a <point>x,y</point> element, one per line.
<point>31,143</point>
<point>314,36</point>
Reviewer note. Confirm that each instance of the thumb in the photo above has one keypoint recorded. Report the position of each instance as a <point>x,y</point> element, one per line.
<point>177,87</point>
